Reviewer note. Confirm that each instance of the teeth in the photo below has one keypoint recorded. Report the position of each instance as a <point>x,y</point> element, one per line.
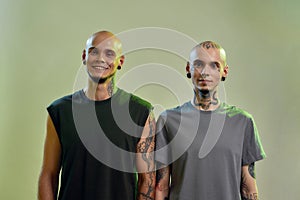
<point>101,67</point>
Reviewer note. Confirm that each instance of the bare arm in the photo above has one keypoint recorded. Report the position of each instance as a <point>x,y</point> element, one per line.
<point>162,183</point>
<point>48,181</point>
<point>248,183</point>
<point>145,161</point>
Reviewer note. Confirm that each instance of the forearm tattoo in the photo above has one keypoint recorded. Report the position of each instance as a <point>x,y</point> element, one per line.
<point>246,195</point>
<point>144,197</point>
<point>146,146</point>
<point>150,189</point>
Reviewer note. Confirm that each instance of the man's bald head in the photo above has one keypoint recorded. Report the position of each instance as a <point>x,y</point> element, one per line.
<point>104,36</point>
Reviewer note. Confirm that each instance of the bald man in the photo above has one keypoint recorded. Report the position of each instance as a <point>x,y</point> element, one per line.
<point>99,140</point>
<point>206,146</point>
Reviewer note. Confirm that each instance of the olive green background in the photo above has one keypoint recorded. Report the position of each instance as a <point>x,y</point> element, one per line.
<point>41,45</point>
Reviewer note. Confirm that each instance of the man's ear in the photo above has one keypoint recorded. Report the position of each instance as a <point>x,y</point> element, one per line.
<point>225,71</point>
<point>187,68</point>
<point>121,60</point>
<point>83,56</point>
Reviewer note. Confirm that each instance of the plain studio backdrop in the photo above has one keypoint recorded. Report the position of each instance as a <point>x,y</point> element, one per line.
<point>40,56</point>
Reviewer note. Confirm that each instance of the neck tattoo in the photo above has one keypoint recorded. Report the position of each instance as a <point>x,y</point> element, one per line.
<point>204,99</point>
<point>110,87</point>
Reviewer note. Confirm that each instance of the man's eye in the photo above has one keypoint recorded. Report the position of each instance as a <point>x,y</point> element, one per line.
<point>110,53</point>
<point>198,64</point>
<point>93,52</point>
<point>215,65</point>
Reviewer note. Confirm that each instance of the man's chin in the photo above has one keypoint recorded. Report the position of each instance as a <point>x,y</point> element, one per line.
<point>100,79</point>
<point>204,91</point>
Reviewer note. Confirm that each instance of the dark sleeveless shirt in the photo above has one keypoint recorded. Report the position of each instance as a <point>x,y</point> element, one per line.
<point>92,166</point>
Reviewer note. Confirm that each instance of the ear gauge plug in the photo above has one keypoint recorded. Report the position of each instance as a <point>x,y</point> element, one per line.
<point>188,75</point>
<point>84,62</point>
<point>119,67</point>
<point>223,78</point>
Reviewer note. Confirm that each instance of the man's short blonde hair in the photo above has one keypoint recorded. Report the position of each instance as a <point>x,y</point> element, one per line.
<point>211,44</point>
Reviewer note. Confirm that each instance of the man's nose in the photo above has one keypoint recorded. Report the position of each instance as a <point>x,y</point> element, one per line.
<point>100,57</point>
<point>204,70</point>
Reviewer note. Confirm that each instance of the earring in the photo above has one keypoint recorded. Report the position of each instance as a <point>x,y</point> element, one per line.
<point>223,78</point>
<point>119,67</point>
<point>84,62</point>
<point>188,75</point>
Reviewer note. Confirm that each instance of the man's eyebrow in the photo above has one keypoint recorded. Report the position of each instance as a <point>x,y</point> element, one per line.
<point>216,62</point>
<point>197,60</point>
<point>91,48</point>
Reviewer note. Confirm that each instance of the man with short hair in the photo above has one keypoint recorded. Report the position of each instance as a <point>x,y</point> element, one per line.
<point>99,136</point>
<point>205,148</point>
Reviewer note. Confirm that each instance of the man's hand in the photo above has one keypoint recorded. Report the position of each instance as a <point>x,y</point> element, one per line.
<point>162,183</point>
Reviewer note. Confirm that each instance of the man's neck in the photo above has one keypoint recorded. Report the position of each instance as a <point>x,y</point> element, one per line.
<point>206,100</point>
<point>100,91</point>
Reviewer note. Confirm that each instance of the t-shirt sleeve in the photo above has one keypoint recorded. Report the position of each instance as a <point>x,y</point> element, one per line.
<point>252,147</point>
<point>162,154</point>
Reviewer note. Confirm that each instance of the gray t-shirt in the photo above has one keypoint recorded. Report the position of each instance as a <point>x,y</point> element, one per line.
<point>206,150</point>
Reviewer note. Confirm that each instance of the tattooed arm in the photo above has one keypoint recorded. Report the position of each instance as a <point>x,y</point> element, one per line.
<point>248,183</point>
<point>162,183</point>
<point>145,161</point>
